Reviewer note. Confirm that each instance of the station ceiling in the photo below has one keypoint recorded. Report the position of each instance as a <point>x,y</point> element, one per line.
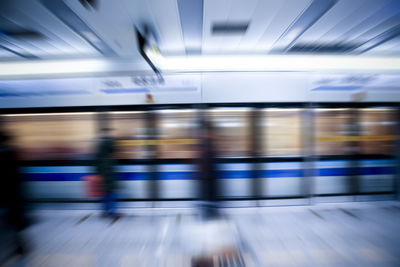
<point>56,29</point>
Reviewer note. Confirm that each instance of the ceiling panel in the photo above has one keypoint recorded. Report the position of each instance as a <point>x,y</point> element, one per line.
<point>389,48</point>
<point>166,16</point>
<point>377,29</point>
<point>191,21</point>
<point>328,25</point>
<point>382,19</point>
<point>240,11</point>
<point>347,22</point>
<point>58,40</point>
<point>112,23</point>
<point>214,11</point>
<point>59,35</point>
<point>281,21</point>
<point>264,13</point>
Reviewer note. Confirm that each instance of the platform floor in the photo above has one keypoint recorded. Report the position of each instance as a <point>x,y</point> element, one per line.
<point>345,234</point>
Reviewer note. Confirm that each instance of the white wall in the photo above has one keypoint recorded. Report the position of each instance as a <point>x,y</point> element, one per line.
<point>254,87</point>
<point>217,87</point>
<point>350,87</point>
<point>98,91</point>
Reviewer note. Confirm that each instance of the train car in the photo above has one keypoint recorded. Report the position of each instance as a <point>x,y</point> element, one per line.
<point>263,150</point>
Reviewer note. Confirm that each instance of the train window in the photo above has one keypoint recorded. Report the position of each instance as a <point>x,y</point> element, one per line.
<point>378,130</point>
<point>177,133</point>
<point>49,136</point>
<point>332,126</point>
<point>281,132</point>
<point>129,128</point>
<point>232,131</point>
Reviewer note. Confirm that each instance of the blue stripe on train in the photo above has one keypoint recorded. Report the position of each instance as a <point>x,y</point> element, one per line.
<point>234,174</point>
<point>131,176</point>
<point>377,170</point>
<point>282,173</point>
<point>125,176</point>
<point>54,177</point>
<point>59,177</point>
<point>178,175</point>
<point>360,171</point>
<point>334,172</point>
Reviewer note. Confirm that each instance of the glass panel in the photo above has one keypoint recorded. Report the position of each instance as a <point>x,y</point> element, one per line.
<point>281,131</point>
<point>177,133</point>
<point>378,130</point>
<point>129,128</point>
<point>232,126</point>
<point>331,128</point>
<point>50,136</point>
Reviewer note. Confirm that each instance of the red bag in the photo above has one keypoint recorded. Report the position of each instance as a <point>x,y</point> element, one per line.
<point>93,186</point>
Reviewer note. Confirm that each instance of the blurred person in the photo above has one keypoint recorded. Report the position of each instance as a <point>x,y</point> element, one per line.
<point>105,168</point>
<point>11,193</point>
<point>208,170</point>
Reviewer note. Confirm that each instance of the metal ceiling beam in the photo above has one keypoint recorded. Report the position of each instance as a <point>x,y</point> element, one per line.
<point>378,40</point>
<point>12,48</point>
<point>75,23</point>
<point>191,18</point>
<point>312,14</point>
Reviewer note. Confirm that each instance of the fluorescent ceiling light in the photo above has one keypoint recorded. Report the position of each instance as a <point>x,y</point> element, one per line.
<point>73,67</point>
<point>317,63</point>
<point>42,67</point>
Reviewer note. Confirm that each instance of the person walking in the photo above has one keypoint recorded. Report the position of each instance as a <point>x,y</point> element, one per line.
<point>11,193</point>
<point>208,170</point>
<point>105,168</point>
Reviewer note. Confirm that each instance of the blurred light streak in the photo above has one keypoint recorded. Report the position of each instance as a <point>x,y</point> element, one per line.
<point>207,63</point>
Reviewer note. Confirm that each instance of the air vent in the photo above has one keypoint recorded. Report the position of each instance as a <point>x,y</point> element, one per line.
<point>323,48</point>
<point>230,28</point>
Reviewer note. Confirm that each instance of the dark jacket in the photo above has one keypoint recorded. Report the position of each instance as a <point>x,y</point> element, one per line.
<point>105,164</point>
<point>208,170</point>
<point>11,195</point>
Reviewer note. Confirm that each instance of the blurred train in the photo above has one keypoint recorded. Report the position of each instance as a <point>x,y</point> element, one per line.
<point>278,150</point>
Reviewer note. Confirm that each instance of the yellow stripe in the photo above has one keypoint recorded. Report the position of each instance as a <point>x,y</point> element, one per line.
<point>132,142</point>
<point>178,141</point>
<point>153,142</point>
<point>356,138</point>
<point>379,138</point>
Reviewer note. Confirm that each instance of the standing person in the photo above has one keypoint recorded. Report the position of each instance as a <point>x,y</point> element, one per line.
<point>11,195</point>
<point>208,170</point>
<point>105,167</point>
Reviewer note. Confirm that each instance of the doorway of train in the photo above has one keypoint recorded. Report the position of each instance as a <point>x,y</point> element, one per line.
<point>157,150</point>
<point>355,152</point>
<point>259,149</point>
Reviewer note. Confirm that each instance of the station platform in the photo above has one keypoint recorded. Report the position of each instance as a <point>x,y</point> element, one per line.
<point>334,234</point>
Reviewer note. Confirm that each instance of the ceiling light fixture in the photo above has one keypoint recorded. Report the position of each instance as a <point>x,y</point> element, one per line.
<point>313,63</point>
